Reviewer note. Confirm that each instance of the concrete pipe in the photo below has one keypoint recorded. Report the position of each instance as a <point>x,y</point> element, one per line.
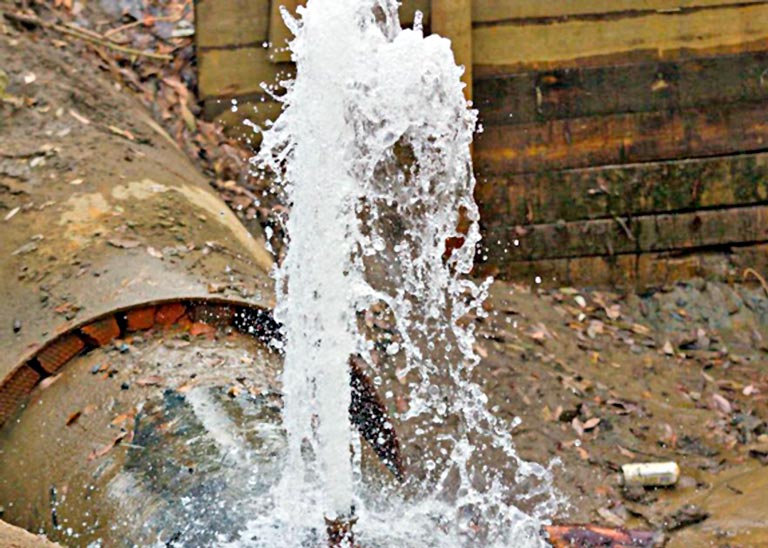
<point>139,391</point>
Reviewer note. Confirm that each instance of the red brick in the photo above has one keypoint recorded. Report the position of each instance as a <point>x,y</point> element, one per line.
<point>140,319</point>
<point>15,389</point>
<point>102,331</point>
<point>169,314</point>
<point>56,354</point>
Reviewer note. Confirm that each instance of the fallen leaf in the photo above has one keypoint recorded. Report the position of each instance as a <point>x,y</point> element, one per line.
<point>640,329</point>
<point>123,243</point>
<point>48,381</point>
<point>591,424</point>
<point>152,380</point>
<point>72,419</point>
<point>154,253</point>
<point>97,453</point>
<point>722,404</point>
<point>668,349</point>
<point>750,390</point>
<point>122,132</point>
<point>29,77</point>
<point>11,213</point>
<point>122,417</point>
<point>79,117</point>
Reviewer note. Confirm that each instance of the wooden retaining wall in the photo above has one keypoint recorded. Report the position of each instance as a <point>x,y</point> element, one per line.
<point>624,141</point>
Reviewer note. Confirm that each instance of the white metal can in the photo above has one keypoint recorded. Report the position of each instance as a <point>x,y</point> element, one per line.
<point>651,474</point>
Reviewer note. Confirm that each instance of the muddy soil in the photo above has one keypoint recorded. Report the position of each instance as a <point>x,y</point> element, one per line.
<point>600,380</point>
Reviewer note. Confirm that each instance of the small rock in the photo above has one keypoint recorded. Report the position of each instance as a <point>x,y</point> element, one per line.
<point>125,386</point>
<point>690,514</point>
<point>16,326</point>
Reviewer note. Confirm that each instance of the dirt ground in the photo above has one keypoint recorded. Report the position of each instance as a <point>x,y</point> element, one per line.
<point>599,379</point>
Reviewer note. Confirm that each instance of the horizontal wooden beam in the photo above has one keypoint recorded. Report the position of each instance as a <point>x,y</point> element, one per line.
<point>644,234</point>
<point>622,139</point>
<point>487,11</point>
<point>634,272</point>
<point>637,189</point>
<point>231,23</point>
<point>514,47</point>
<point>235,72</point>
<point>641,87</point>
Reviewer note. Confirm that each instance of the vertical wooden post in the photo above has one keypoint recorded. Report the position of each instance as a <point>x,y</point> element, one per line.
<point>453,20</point>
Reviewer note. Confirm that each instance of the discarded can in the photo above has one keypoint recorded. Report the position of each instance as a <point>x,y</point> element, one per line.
<point>651,474</point>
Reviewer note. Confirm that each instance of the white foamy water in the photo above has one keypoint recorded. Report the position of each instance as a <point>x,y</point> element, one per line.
<point>373,152</point>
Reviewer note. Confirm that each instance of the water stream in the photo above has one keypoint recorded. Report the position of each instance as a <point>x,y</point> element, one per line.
<point>372,151</point>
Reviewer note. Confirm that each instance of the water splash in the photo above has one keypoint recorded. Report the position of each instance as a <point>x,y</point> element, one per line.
<point>373,152</point>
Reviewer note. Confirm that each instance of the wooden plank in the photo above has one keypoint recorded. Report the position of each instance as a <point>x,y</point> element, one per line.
<point>643,234</point>
<point>452,19</point>
<point>231,23</point>
<point>233,72</point>
<point>622,139</point>
<point>485,11</point>
<point>633,272</point>
<point>640,87</point>
<point>509,47</point>
<point>638,189</point>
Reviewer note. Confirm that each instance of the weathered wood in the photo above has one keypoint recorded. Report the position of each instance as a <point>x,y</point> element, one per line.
<point>633,271</point>
<point>230,23</point>
<point>594,193</point>
<point>230,73</point>
<point>641,87</point>
<point>569,43</point>
<point>643,234</point>
<point>484,11</point>
<point>452,19</point>
<point>622,138</point>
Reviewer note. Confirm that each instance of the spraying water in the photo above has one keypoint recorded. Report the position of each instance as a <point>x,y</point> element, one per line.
<point>373,152</point>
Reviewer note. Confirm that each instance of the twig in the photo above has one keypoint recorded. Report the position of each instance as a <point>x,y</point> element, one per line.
<point>136,23</point>
<point>625,228</point>
<point>757,275</point>
<point>88,36</point>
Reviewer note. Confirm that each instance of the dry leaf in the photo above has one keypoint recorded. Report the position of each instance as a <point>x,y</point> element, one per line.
<point>122,132</point>
<point>154,253</point>
<point>591,423</point>
<point>124,243</point>
<point>79,117</point>
<point>668,349</point>
<point>152,380</point>
<point>72,419</point>
<point>722,404</point>
<point>97,453</point>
